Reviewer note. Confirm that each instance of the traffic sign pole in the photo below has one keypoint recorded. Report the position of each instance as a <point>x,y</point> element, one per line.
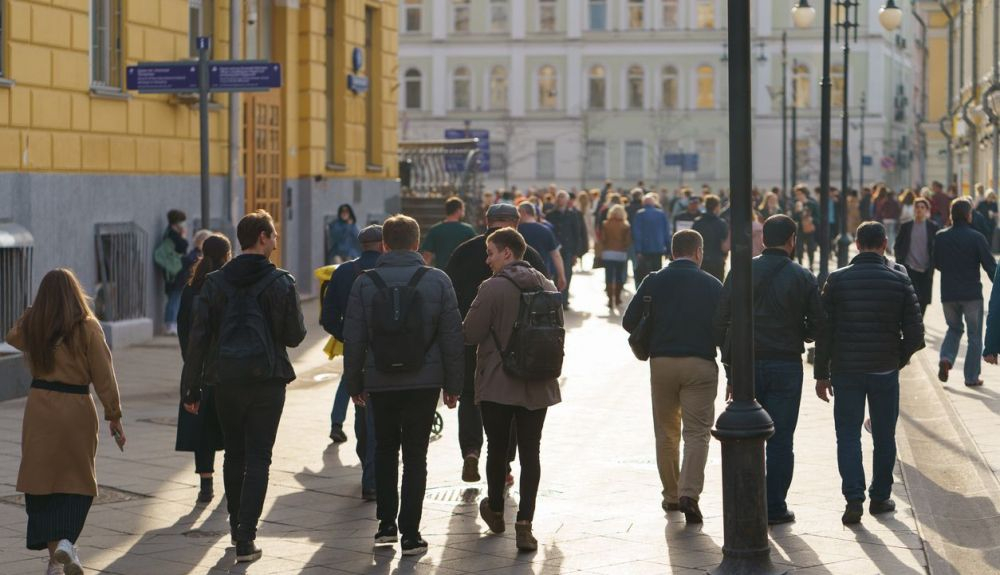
<point>204,42</point>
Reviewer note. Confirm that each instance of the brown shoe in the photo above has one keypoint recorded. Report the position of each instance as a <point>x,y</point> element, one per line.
<point>943,368</point>
<point>689,507</point>
<point>493,519</point>
<point>525,540</point>
<point>976,383</point>
<point>470,468</point>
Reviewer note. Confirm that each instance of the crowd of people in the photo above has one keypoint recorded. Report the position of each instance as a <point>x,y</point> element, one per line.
<point>475,321</point>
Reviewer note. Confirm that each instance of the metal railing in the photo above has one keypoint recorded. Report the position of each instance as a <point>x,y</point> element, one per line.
<point>16,252</point>
<point>441,168</point>
<point>123,261</point>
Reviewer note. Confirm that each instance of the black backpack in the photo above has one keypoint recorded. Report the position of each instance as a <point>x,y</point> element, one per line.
<point>397,331</point>
<point>535,349</point>
<point>246,346</point>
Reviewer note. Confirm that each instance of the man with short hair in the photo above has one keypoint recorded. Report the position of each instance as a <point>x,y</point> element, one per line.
<point>402,387</point>
<point>959,252</point>
<point>873,328</point>
<point>332,313</point>
<point>715,232</point>
<point>684,377</point>
<point>940,205</point>
<point>468,270</point>
<point>444,237</point>
<point>685,220</point>
<point>914,249</point>
<point>650,237</point>
<point>543,240</point>
<point>787,313</point>
<point>568,228</point>
<point>249,409</point>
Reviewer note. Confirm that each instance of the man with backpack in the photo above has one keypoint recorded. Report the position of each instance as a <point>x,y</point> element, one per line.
<point>335,300</point>
<point>245,317</point>
<point>517,322</point>
<point>402,345</point>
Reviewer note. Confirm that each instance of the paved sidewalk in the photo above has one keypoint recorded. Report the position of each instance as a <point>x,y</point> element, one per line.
<point>598,510</point>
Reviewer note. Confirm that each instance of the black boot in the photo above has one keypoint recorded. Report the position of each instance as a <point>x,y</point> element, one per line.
<point>207,491</point>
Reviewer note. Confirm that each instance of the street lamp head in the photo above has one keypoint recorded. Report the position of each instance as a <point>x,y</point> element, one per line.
<point>803,14</point>
<point>890,16</point>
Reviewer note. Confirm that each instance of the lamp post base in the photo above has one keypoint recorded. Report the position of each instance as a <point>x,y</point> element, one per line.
<point>742,429</point>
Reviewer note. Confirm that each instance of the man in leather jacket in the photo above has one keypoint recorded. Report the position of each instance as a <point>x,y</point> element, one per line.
<point>787,314</point>
<point>874,328</point>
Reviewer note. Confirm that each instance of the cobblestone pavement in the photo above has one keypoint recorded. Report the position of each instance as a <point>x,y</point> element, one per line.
<point>598,510</point>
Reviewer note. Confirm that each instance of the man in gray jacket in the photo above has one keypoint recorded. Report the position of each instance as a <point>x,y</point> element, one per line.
<point>398,307</point>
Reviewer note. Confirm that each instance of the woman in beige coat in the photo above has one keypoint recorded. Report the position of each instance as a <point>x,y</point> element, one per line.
<point>65,350</point>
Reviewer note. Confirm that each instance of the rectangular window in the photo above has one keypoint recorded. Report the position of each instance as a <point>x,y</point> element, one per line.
<point>106,43</point>
<point>413,15</point>
<point>460,16</point>
<point>545,159</point>
<point>635,159</point>
<point>705,14</point>
<point>597,160</point>
<point>706,158</point>
<point>546,15</point>
<point>498,157</point>
<point>671,13</point>
<point>201,22</point>
<point>636,14</point>
<point>498,16</point>
<point>598,15</point>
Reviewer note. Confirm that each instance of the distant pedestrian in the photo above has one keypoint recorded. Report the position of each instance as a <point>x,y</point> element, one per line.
<point>342,235</point>
<point>172,265</point>
<point>444,237</point>
<point>805,212</point>
<point>585,205</point>
<point>402,349</point>
<point>692,211</point>
<point>65,352</point>
<point>571,234</point>
<point>787,313</point>
<point>245,316</point>
<point>959,253</point>
<point>334,310</point>
<point>684,377</point>
<point>888,211</point>
<point>506,398</point>
<point>650,238</point>
<point>873,329</point>
<point>715,231</point>
<point>914,249</point>
<point>544,241</point>
<point>941,205</point>
<point>616,237</point>
<point>200,433</point>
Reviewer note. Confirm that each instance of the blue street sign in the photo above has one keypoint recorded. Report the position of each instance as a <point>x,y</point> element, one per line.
<point>455,163</point>
<point>357,84</point>
<point>867,161</point>
<point>686,162</point>
<point>673,160</point>
<point>357,59</point>
<point>204,42</point>
<point>690,163</point>
<point>244,76</point>
<point>163,78</point>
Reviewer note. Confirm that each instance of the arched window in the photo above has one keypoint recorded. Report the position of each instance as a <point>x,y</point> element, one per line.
<point>413,88</point>
<point>801,86</point>
<point>706,88</point>
<point>670,88</point>
<point>498,88</point>
<point>598,84</point>
<point>636,83</point>
<point>837,86</point>
<point>548,91</point>
<point>461,89</point>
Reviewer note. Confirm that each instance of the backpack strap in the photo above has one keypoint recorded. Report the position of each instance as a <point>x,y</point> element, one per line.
<point>376,279</point>
<point>262,284</point>
<point>418,276</point>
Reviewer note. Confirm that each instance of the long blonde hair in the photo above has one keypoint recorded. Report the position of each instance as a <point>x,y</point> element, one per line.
<point>59,310</point>
<point>617,212</point>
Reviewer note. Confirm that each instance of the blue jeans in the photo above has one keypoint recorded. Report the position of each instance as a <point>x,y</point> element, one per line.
<point>173,306</point>
<point>778,385</point>
<point>615,272</point>
<point>364,431</point>
<point>340,402</point>
<point>972,312</point>
<point>882,394</point>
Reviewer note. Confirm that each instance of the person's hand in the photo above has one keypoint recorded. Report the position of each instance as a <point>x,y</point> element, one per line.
<point>450,400</point>
<point>561,283</point>
<point>729,393</point>
<point>192,407</point>
<point>118,432</point>
<point>359,400</point>
<point>824,389</point>
<point>991,358</point>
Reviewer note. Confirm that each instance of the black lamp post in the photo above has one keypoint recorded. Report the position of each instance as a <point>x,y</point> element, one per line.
<point>784,116</point>
<point>795,125</point>
<point>744,425</point>
<point>847,11</point>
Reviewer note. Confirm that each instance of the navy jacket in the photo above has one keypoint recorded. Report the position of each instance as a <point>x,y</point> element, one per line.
<point>959,251</point>
<point>683,307</point>
<point>991,345</point>
<point>338,290</point>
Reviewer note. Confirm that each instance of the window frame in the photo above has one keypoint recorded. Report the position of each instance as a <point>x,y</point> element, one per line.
<point>461,6</point>
<point>413,6</point>
<point>409,80</point>
<point>837,94</point>
<point>670,72</point>
<point>707,170</point>
<point>555,88</point>
<point>641,172</point>
<point>543,7</point>
<point>801,78</point>
<point>676,25</point>
<point>496,73</point>
<point>550,147</point>
<point>491,24</point>
<point>498,157</point>
<point>631,7</point>
<point>112,74</point>
<point>700,8</point>
<point>466,78</point>
<point>603,4</point>
<point>701,97</point>
<point>632,73</point>
<point>591,92</point>
<point>596,168</point>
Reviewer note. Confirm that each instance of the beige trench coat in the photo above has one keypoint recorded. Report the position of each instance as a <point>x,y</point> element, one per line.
<point>59,430</point>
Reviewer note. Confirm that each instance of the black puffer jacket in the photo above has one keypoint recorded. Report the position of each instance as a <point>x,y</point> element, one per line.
<point>280,301</point>
<point>873,319</point>
<point>787,311</point>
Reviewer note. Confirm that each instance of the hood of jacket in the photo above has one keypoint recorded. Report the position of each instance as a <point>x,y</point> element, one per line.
<point>246,269</point>
<point>523,275</point>
<point>400,258</point>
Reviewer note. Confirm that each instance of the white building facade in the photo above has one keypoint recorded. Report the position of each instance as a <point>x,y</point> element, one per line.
<point>580,91</point>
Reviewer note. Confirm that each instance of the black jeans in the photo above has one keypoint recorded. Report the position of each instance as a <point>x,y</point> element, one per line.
<point>648,263</point>
<point>567,259</point>
<point>249,415</point>
<point>498,419</point>
<point>403,419</point>
<point>923,284</point>
<point>470,423</point>
<point>778,385</point>
<point>204,459</point>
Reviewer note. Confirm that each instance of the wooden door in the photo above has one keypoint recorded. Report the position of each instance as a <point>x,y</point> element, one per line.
<point>262,156</point>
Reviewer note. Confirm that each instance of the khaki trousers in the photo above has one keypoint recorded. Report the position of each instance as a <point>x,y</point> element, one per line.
<point>683,390</point>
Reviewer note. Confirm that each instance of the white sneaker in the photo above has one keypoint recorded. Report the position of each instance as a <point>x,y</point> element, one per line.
<point>55,569</point>
<point>66,555</point>
<point>171,329</point>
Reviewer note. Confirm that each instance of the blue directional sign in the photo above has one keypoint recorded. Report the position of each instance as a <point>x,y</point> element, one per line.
<point>357,84</point>
<point>867,161</point>
<point>456,162</point>
<point>686,162</point>
<point>162,78</point>
<point>243,76</point>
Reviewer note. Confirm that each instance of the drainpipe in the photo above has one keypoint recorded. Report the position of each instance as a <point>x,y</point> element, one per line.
<point>947,133</point>
<point>922,116</point>
<point>232,193</point>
